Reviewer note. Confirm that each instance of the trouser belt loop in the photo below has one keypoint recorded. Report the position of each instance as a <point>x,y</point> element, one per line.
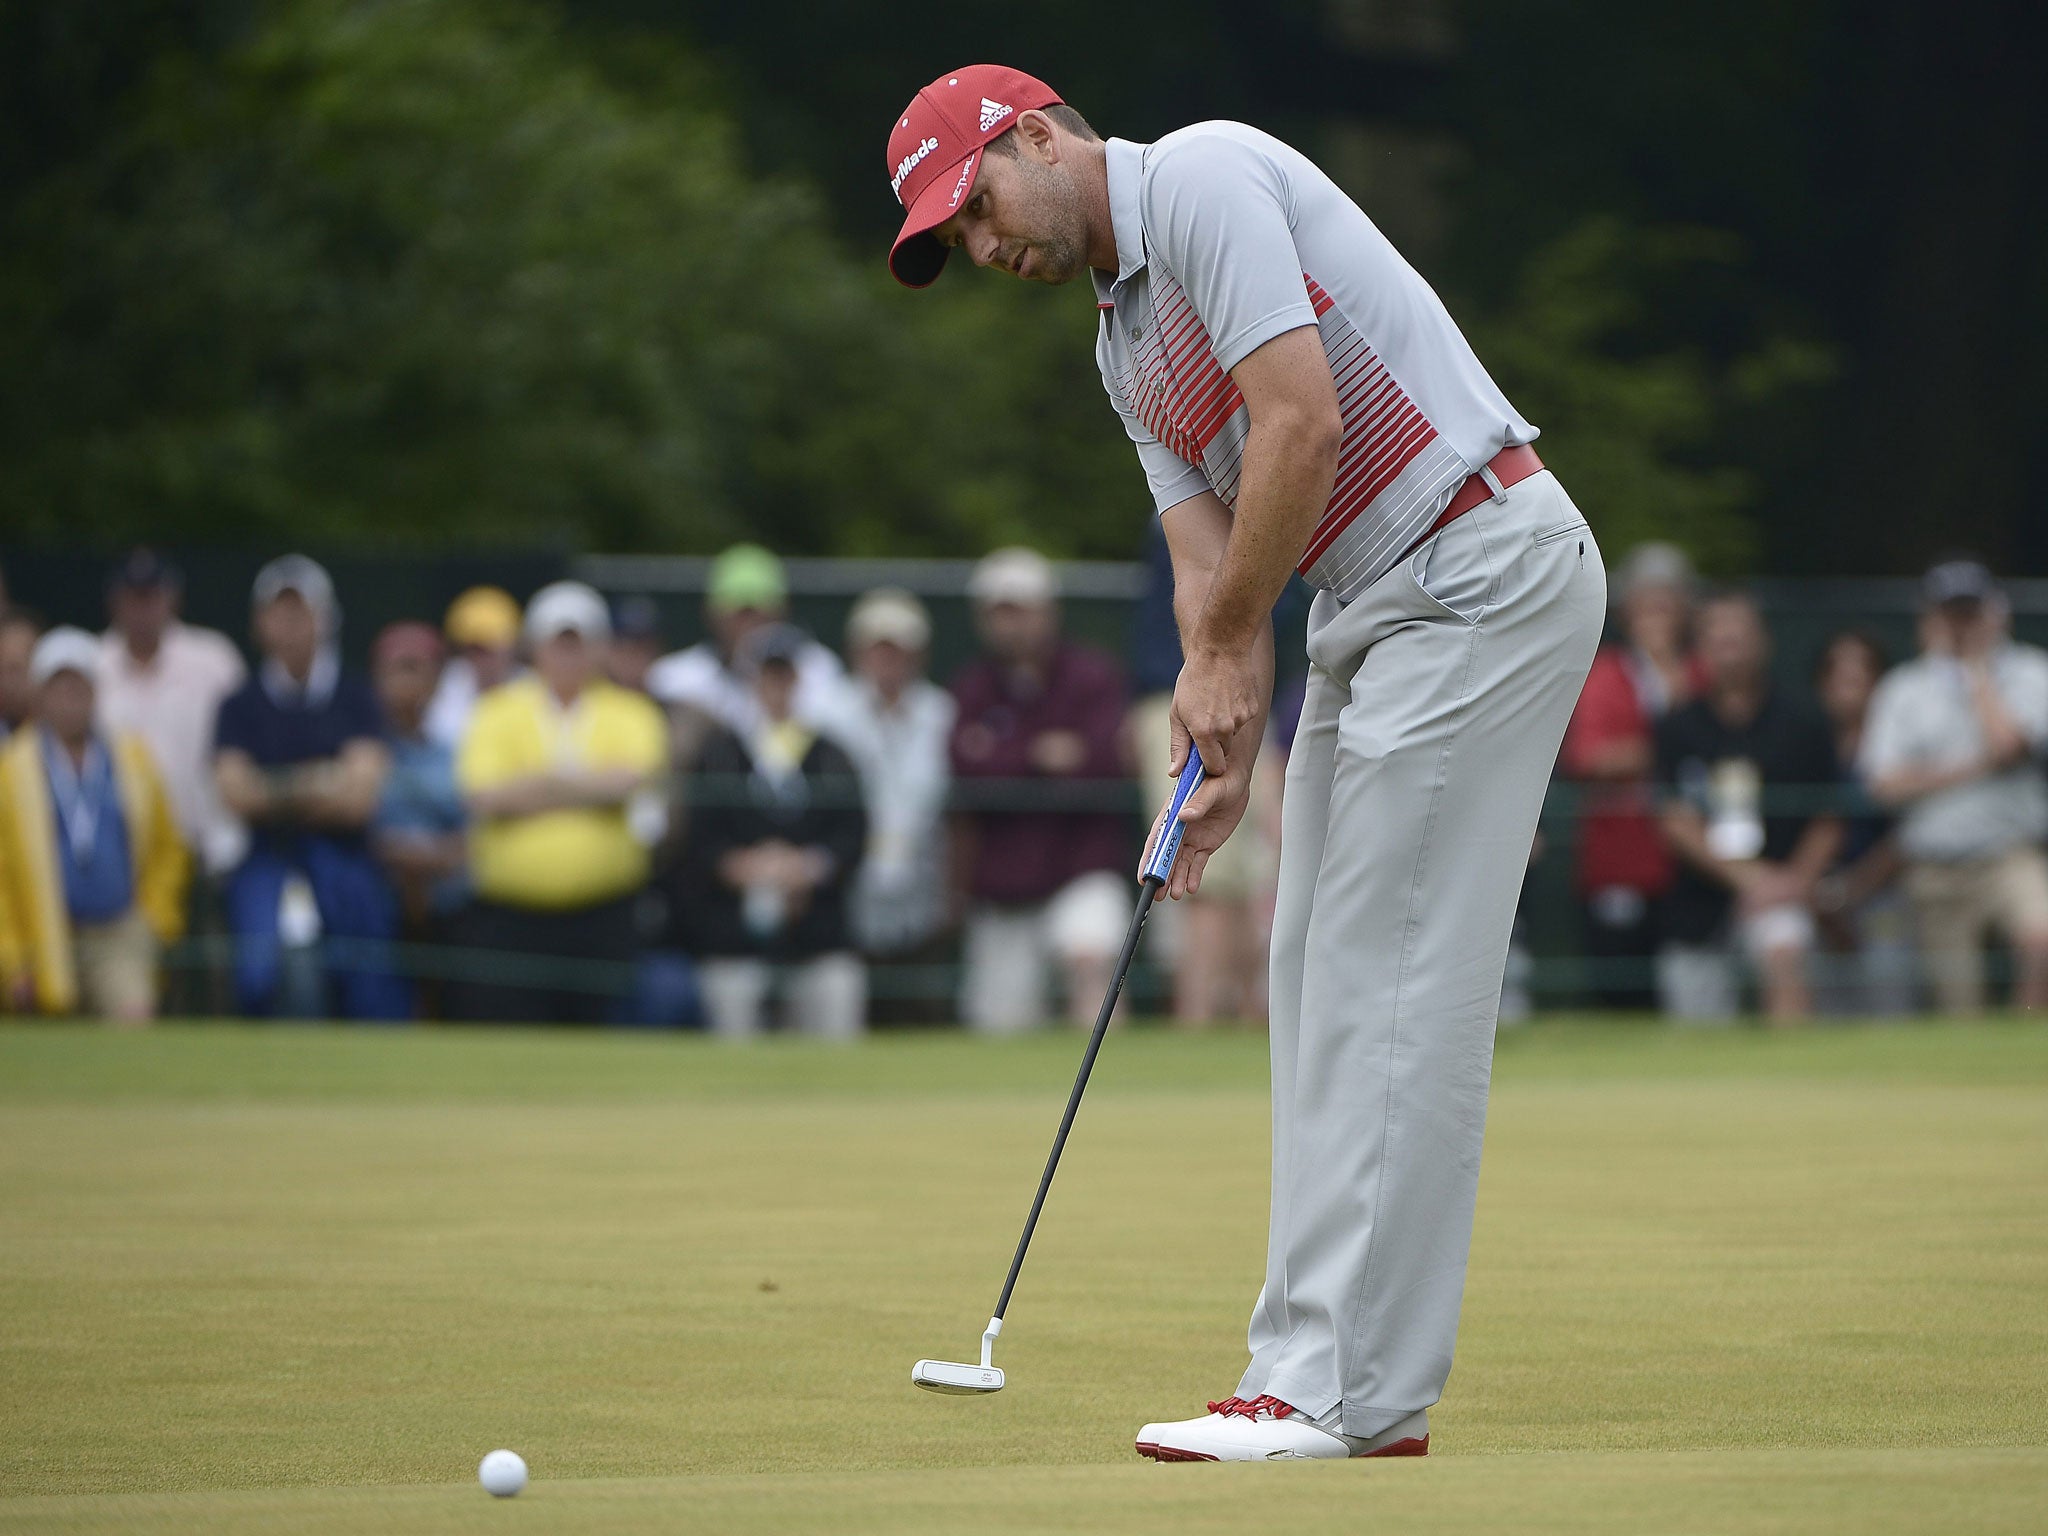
<point>1500,492</point>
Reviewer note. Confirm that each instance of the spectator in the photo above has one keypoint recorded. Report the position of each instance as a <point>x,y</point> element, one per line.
<point>1623,868</point>
<point>770,858</point>
<point>164,680</point>
<point>1048,884</point>
<point>1738,769</point>
<point>636,643</point>
<point>549,767</point>
<point>482,626</point>
<point>18,633</point>
<point>92,871</point>
<point>898,725</point>
<point>299,755</point>
<point>1865,922</point>
<point>747,591</point>
<point>1954,744</point>
<point>420,834</point>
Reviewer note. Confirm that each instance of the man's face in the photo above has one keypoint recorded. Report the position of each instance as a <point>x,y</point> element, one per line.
<point>1016,632</point>
<point>1732,645</point>
<point>17,643</point>
<point>405,683</point>
<point>889,666</point>
<point>730,626</point>
<point>1654,616</point>
<point>491,664</point>
<point>287,631</point>
<point>1964,625</point>
<point>142,614</point>
<point>567,662</point>
<point>65,705</point>
<point>631,659</point>
<point>1023,215</point>
<point>775,689</point>
<point>1847,681</point>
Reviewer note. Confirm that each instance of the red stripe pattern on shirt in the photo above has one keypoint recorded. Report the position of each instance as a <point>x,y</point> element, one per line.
<point>1191,405</point>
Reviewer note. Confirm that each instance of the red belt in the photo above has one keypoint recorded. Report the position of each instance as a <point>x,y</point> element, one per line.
<point>1511,466</point>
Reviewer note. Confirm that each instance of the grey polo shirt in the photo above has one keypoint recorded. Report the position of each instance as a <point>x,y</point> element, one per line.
<point>1921,717</point>
<point>1226,238</point>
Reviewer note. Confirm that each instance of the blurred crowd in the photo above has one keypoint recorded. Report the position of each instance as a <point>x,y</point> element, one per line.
<point>1850,848</point>
<point>540,811</point>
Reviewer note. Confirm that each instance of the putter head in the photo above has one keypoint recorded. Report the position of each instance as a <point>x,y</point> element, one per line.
<point>957,1379</point>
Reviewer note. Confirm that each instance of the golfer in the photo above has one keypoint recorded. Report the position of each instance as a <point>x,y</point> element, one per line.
<point>1301,401</point>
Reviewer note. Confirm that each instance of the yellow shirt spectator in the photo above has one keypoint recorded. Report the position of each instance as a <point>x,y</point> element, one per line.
<point>557,859</point>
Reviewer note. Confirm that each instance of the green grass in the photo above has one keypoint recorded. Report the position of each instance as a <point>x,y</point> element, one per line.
<point>301,1279</point>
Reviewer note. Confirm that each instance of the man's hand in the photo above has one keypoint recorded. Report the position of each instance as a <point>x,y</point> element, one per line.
<point>1217,695</point>
<point>1761,884</point>
<point>1210,815</point>
<point>1059,752</point>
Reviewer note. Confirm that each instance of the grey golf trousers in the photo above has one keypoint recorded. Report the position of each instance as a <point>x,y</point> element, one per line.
<point>1437,700</point>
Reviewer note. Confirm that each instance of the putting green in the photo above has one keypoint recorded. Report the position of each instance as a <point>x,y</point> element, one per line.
<point>301,1279</point>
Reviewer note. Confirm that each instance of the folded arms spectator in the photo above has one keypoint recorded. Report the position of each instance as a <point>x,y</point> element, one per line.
<point>548,769</point>
<point>299,755</point>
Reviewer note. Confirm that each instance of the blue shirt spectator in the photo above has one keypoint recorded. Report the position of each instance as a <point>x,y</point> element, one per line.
<point>420,834</point>
<point>92,833</point>
<point>299,755</point>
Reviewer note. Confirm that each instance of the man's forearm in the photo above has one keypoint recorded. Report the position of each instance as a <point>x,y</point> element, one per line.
<point>1289,469</point>
<point>1191,596</point>
<point>1814,854</point>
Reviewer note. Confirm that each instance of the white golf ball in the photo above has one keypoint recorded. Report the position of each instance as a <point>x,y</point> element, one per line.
<point>502,1473</point>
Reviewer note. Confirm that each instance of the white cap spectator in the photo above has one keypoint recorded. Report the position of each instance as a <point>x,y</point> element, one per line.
<point>1654,565</point>
<point>305,576</point>
<point>1957,581</point>
<point>567,607</point>
<point>888,614</point>
<point>64,649</point>
<point>1014,575</point>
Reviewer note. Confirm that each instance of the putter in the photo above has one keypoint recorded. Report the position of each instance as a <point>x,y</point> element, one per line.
<point>957,1377</point>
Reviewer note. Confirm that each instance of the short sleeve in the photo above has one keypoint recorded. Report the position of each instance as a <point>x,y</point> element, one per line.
<point>1886,747</point>
<point>1670,741</point>
<point>485,759</point>
<point>1216,213</point>
<point>1170,478</point>
<point>643,736</point>
<point>358,714</point>
<point>233,725</point>
<point>2027,700</point>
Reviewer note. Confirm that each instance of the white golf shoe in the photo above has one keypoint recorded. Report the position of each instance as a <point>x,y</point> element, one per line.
<point>1266,1429</point>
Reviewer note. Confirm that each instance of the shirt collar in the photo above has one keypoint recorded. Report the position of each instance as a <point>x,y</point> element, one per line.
<point>285,691</point>
<point>1125,163</point>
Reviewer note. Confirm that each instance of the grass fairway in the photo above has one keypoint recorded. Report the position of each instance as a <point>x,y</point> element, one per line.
<point>301,1279</point>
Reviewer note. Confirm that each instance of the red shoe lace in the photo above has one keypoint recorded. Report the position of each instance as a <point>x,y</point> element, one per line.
<point>1237,1406</point>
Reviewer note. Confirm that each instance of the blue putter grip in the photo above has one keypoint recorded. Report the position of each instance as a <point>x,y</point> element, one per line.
<point>1160,865</point>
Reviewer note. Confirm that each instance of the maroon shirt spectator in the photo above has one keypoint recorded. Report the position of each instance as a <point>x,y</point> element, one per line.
<point>1058,719</point>
<point>1042,884</point>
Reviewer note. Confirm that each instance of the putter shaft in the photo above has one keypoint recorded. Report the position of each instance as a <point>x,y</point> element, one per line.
<point>1150,888</point>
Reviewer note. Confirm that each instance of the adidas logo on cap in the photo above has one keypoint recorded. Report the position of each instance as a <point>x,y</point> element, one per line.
<point>992,112</point>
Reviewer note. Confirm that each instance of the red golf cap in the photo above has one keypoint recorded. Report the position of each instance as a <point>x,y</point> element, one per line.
<point>935,150</point>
